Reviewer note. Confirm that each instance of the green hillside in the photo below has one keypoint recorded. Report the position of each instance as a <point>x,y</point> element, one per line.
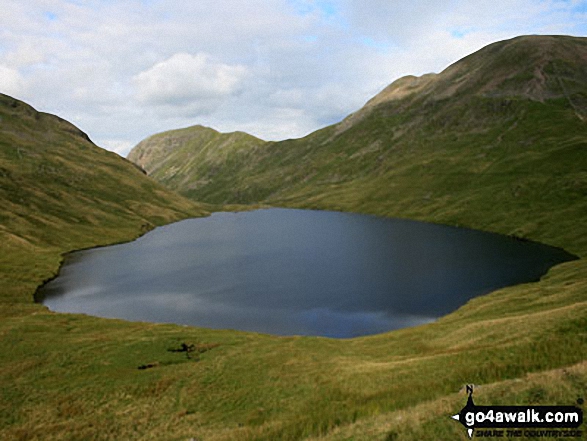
<point>59,192</point>
<point>496,141</point>
<point>188,160</point>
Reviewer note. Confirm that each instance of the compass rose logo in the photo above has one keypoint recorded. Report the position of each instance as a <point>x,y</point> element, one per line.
<point>468,409</point>
<point>493,419</point>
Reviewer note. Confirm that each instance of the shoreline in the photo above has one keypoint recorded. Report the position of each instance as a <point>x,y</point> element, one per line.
<point>38,298</point>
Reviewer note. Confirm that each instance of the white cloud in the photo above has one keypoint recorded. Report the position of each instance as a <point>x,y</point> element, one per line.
<point>188,79</point>
<point>26,54</point>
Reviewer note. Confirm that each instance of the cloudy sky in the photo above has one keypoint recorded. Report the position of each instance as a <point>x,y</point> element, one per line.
<point>123,70</point>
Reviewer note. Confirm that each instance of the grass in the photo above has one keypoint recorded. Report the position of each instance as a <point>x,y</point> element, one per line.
<point>73,377</point>
<point>429,421</point>
<point>77,377</point>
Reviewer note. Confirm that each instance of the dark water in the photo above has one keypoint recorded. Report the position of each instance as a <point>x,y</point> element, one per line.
<point>292,272</point>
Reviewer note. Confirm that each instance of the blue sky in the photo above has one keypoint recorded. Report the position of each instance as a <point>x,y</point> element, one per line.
<point>123,70</point>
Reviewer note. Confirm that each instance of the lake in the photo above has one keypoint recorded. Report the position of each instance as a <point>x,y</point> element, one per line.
<point>295,272</point>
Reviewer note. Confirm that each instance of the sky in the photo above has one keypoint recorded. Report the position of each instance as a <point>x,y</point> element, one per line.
<point>122,70</point>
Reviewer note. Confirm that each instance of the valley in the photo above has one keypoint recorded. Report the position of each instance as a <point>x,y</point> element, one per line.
<point>495,142</point>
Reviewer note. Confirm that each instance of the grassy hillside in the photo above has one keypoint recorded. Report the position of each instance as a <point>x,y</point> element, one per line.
<point>481,154</point>
<point>188,160</point>
<point>496,141</point>
<point>59,192</point>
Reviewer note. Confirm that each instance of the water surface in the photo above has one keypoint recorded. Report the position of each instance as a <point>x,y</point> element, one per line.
<point>295,272</point>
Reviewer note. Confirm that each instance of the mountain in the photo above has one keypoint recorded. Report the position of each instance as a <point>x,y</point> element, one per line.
<point>501,131</point>
<point>59,192</point>
<point>187,160</point>
<point>495,156</point>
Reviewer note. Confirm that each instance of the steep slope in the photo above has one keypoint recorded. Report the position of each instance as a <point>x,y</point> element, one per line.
<point>189,159</point>
<point>500,131</point>
<point>58,192</point>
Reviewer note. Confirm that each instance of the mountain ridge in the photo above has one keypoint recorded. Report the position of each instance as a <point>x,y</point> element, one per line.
<point>472,70</point>
<point>503,127</point>
<point>166,156</point>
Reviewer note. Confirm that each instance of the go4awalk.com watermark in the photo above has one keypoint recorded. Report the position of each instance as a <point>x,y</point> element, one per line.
<point>520,421</point>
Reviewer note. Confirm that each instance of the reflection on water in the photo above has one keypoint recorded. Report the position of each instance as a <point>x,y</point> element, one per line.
<point>293,272</point>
